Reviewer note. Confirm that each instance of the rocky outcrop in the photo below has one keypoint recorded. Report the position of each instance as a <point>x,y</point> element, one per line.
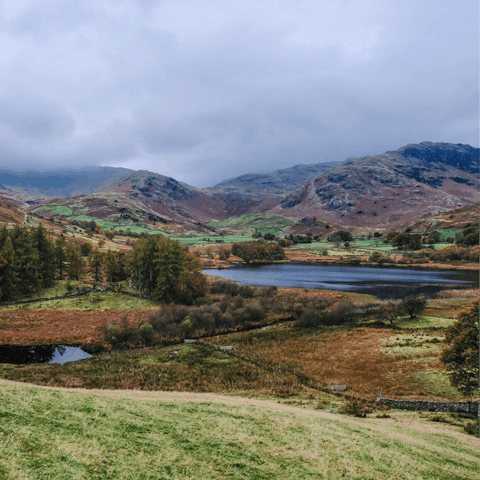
<point>381,189</point>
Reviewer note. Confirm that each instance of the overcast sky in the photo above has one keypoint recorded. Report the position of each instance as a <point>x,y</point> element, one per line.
<point>211,89</point>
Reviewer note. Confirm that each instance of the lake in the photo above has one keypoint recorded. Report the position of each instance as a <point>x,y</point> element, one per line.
<point>382,282</point>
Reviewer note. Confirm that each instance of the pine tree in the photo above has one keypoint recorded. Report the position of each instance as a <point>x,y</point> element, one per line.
<point>9,279</point>
<point>46,256</point>
<point>60,256</point>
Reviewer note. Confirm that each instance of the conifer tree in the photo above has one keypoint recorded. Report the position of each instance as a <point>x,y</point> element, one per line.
<point>46,254</point>
<point>60,256</point>
<point>9,279</point>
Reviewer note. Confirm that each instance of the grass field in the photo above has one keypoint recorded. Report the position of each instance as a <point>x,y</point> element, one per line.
<point>260,222</point>
<point>58,434</point>
<point>205,239</point>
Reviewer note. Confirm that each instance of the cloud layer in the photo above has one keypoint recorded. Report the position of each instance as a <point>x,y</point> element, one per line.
<point>202,91</point>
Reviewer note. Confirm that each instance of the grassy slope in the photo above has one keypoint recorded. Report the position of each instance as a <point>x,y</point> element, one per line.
<point>78,435</point>
<point>261,222</point>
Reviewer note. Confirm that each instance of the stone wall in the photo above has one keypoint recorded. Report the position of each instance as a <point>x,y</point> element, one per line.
<point>466,407</point>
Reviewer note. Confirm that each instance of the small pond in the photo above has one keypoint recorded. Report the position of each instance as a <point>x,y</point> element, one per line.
<point>21,355</point>
<point>382,282</point>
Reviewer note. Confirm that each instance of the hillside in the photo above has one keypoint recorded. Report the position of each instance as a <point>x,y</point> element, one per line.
<point>257,192</point>
<point>55,433</point>
<point>450,219</point>
<point>10,213</point>
<point>378,191</point>
<point>398,186</point>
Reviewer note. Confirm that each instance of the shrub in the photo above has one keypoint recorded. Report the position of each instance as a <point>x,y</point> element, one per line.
<point>356,407</point>
<point>147,333</point>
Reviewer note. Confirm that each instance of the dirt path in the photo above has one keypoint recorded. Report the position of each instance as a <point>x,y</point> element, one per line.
<point>404,423</point>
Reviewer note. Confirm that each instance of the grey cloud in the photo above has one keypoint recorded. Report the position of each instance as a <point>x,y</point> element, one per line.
<point>206,90</point>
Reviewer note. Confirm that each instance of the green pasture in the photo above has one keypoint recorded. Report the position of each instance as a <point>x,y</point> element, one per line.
<point>257,221</point>
<point>96,301</point>
<point>68,435</point>
<point>199,240</point>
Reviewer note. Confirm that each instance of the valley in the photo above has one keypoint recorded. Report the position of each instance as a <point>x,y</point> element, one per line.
<point>130,266</point>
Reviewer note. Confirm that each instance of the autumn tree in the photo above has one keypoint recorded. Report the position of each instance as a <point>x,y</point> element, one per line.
<point>389,310</point>
<point>462,354</point>
<point>260,250</point>
<point>95,263</point>
<point>115,266</point>
<point>75,264</point>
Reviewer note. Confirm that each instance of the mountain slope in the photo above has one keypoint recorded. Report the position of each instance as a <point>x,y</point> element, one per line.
<point>257,192</point>
<point>413,181</point>
<point>166,196</point>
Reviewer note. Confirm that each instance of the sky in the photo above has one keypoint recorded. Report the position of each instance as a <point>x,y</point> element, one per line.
<point>207,90</point>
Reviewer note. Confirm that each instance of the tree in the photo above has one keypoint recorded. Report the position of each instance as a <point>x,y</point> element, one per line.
<point>60,256</point>
<point>75,263</point>
<point>95,262</point>
<point>462,354</point>
<point>413,305</point>
<point>260,250</point>
<point>46,256</point>
<point>167,270</point>
<point>9,279</point>
<point>389,310</point>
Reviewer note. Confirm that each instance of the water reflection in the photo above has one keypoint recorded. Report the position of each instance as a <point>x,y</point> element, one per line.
<point>382,282</point>
<point>22,355</point>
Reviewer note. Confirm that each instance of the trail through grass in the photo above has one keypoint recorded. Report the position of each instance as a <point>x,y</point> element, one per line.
<point>78,435</point>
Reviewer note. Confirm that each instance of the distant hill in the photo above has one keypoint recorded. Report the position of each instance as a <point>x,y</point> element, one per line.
<point>61,183</point>
<point>413,181</point>
<point>256,192</point>
<point>378,191</point>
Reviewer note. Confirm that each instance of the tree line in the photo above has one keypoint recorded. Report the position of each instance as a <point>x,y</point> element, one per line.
<point>159,267</point>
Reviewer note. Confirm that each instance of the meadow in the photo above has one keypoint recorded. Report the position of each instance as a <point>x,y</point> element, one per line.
<point>50,433</point>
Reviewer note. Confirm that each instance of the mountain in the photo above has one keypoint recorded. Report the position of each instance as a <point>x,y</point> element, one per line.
<point>170,198</point>
<point>258,192</point>
<point>61,183</point>
<point>413,181</point>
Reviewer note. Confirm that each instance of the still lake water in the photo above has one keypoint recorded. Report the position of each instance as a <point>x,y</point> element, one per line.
<point>40,354</point>
<point>382,282</point>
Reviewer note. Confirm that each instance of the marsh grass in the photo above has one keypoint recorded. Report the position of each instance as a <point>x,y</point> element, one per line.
<point>73,435</point>
<point>356,357</point>
<point>190,368</point>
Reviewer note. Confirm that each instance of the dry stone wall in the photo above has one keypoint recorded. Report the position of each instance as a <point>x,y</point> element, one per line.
<point>425,405</point>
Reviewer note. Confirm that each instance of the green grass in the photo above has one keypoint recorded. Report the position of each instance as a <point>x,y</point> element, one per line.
<point>99,301</point>
<point>411,345</point>
<point>423,322</point>
<point>61,210</point>
<point>262,222</point>
<point>212,239</point>
<point>435,382</point>
<point>77,435</point>
<point>446,233</point>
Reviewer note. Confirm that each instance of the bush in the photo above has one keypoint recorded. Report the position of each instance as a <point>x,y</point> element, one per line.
<point>147,333</point>
<point>356,407</point>
<point>326,314</point>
